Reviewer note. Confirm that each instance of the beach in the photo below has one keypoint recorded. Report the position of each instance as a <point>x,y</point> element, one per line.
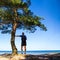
<point>52,56</point>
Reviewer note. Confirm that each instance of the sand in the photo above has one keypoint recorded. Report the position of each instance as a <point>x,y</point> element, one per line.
<point>30,57</point>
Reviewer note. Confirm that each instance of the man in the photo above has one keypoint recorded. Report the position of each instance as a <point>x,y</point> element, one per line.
<point>23,42</point>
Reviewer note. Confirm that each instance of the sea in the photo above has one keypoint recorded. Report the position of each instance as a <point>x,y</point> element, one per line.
<point>34,52</point>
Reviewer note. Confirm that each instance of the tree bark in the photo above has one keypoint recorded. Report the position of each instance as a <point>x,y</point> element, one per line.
<point>14,49</point>
<point>14,26</point>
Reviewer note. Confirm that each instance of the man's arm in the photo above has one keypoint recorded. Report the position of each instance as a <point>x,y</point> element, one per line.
<point>17,35</point>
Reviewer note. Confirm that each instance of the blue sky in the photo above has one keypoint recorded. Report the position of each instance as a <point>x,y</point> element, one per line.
<point>40,40</point>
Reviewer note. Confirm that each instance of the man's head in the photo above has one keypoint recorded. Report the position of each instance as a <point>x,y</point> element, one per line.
<point>22,33</point>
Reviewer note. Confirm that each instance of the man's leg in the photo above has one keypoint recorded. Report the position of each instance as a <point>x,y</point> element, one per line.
<point>24,49</point>
<point>21,49</point>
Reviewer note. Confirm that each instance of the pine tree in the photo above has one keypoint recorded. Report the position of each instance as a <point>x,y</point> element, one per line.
<point>15,14</point>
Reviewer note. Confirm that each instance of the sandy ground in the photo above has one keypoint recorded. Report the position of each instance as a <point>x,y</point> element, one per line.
<point>11,57</point>
<point>30,57</point>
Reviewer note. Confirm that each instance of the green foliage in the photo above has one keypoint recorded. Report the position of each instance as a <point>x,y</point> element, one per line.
<point>10,1</point>
<point>26,20</point>
<point>16,1</point>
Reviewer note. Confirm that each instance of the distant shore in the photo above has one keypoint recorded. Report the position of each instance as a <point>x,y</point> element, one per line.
<point>52,56</point>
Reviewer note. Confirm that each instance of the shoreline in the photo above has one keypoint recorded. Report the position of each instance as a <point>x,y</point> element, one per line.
<point>55,56</point>
<point>35,52</point>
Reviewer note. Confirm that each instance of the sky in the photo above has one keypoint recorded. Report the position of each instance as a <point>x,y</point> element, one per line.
<point>39,40</point>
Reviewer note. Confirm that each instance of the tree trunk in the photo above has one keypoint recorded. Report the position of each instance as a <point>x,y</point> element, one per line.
<point>14,25</point>
<point>14,49</point>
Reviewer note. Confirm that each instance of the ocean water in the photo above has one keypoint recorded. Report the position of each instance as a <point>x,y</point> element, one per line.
<point>36,52</point>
